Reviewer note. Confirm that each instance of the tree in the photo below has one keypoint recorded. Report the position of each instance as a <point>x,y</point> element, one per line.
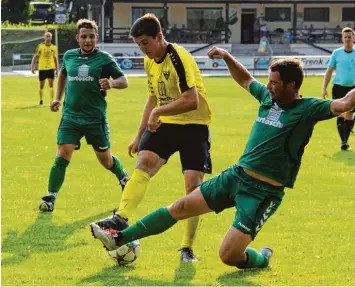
<point>15,11</point>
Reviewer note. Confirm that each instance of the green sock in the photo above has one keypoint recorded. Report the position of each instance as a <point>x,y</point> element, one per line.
<point>117,168</point>
<point>56,176</point>
<point>255,259</point>
<point>154,223</point>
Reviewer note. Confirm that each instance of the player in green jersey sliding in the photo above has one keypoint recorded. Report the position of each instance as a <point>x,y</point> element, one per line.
<point>85,75</point>
<point>254,186</point>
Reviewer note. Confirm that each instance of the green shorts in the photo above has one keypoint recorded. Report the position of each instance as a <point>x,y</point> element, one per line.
<point>96,132</point>
<point>254,200</point>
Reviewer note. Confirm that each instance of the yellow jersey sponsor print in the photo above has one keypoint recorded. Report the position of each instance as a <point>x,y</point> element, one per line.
<point>46,56</point>
<point>172,76</point>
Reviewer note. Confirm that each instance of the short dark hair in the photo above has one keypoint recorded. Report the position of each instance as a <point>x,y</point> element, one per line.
<point>148,25</point>
<point>86,23</point>
<point>290,70</point>
<point>347,30</point>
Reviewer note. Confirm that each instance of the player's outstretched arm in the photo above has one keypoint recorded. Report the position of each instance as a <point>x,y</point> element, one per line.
<point>344,104</point>
<point>239,73</point>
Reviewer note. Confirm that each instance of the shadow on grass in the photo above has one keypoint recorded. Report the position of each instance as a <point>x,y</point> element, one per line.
<point>42,236</point>
<point>120,276</point>
<point>240,277</point>
<point>347,157</point>
<point>32,107</point>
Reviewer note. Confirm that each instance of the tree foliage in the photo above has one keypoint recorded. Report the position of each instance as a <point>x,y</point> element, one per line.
<point>15,11</point>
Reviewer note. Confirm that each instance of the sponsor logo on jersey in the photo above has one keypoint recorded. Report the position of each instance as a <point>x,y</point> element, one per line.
<point>83,75</point>
<point>273,117</point>
<point>83,71</point>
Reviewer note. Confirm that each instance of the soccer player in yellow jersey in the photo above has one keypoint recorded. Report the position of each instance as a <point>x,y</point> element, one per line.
<point>47,56</point>
<point>175,118</point>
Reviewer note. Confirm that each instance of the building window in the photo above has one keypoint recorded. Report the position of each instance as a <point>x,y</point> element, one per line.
<point>278,14</point>
<point>138,12</point>
<point>203,18</point>
<point>348,14</point>
<point>316,14</point>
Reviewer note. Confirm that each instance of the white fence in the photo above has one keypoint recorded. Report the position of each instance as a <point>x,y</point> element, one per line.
<point>251,63</point>
<point>132,65</point>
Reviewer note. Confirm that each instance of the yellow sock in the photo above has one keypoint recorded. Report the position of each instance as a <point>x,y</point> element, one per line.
<point>41,94</point>
<point>133,193</point>
<point>51,93</point>
<point>189,231</point>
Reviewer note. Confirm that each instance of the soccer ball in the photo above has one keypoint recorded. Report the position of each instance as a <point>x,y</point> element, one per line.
<point>127,253</point>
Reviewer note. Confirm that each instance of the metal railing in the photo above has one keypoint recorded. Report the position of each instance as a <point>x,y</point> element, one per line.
<point>328,36</point>
<point>179,35</point>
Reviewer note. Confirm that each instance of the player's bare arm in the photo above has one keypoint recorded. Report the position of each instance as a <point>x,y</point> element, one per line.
<point>55,58</point>
<point>34,61</point>
<point>239,73</point>
<point>62,80</point>
<point>187,102</point>
<point>327,77</point>
<point>344,104</point>
<point>118,83</point>
<point>150,104</point>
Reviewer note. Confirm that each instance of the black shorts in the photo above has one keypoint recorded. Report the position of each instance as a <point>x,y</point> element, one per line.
<point>46,74</point>
<point>192,141</point>
<point>339,92</point>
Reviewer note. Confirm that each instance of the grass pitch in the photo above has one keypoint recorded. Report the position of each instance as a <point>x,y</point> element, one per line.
<point>312,233</point>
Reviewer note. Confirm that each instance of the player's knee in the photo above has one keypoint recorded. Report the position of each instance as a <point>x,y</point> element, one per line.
<point>65,153</point>
<point>178,209</point>
<point>148,163</point>
<point>231,258</point>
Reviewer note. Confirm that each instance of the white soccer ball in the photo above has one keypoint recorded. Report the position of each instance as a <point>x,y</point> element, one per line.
<point>127,253</point>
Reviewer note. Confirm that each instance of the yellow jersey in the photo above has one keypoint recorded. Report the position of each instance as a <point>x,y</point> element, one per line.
<point>46,56</point>
<point>172,76</point>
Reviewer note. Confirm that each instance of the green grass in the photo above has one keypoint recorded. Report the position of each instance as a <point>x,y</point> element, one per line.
<point>312,233</point>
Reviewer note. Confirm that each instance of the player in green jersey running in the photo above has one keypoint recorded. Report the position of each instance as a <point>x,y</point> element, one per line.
<point>254,186</point>
<point>86,76</point>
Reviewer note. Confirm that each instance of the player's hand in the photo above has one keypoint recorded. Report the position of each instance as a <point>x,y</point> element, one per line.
<point>153,122</point>
<point>105,84</point>
<point>33,71</point>
<point>217,53</point>
<point>56,74</point>
<point>133,146</point>
<point>325,94</point>
<point>55,105</point>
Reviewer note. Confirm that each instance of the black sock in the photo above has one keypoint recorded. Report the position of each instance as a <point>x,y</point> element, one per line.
<point>341,128</point>
<point>349,124</point>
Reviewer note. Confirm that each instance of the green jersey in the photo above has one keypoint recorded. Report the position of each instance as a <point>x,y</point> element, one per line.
<point>279,135</point>
<point>83,97</point>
